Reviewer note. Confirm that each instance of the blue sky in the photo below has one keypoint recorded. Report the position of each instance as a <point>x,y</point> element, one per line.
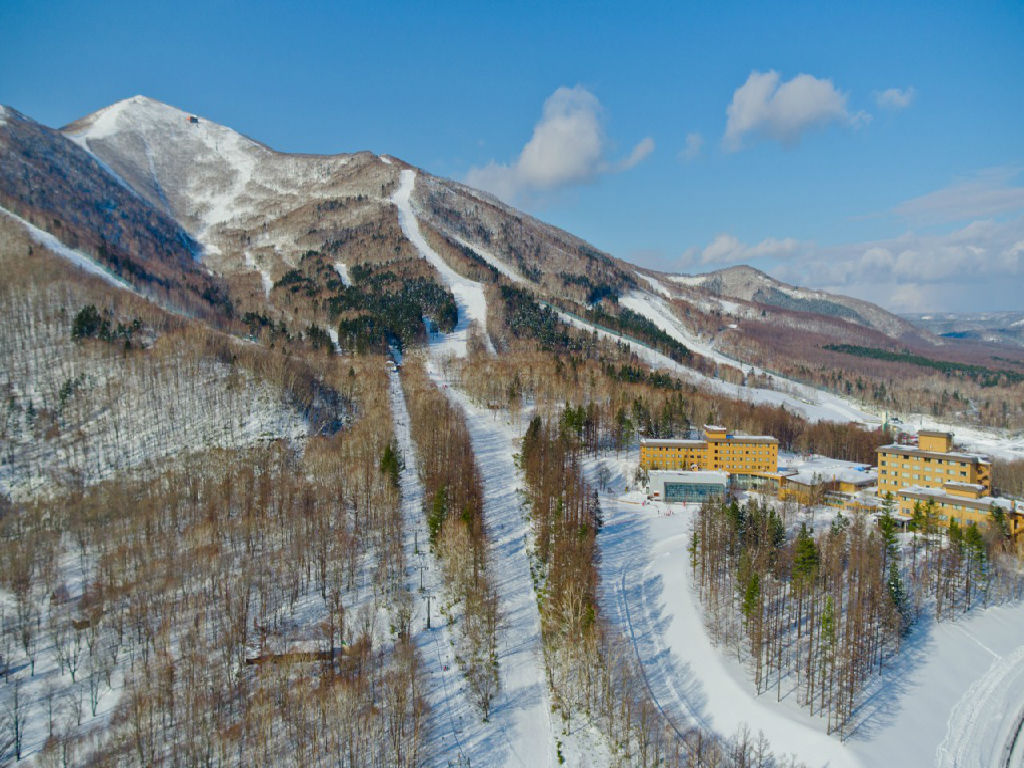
<point>874,149</point>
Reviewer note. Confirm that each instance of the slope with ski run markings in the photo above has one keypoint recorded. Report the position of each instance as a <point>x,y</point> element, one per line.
<point>469,295</point>
<point>522,709</point>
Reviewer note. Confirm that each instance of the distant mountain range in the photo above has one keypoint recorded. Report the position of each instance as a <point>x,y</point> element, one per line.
<point>991,327</point>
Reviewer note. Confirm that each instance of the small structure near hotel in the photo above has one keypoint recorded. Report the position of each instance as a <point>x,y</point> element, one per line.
<point>674,486</point>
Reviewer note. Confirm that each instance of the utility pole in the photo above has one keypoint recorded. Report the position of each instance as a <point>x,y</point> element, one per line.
<point>428,611</point>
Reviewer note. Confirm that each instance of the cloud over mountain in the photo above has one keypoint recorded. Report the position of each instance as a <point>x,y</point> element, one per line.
<point>568,147</point>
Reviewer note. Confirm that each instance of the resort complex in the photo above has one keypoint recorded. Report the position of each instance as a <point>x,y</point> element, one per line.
<point>949,484</point>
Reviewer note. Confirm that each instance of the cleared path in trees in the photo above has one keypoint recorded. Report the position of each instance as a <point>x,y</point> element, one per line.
<point>522,710</point>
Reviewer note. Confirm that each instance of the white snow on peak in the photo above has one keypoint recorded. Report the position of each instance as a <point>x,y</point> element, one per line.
<point>384,159</point>
<point>469,295</point>
<point>79,259</point>
<point>694,281</point>
<point>215,162</point>
<point>3,115</point>
<point>342,269</point>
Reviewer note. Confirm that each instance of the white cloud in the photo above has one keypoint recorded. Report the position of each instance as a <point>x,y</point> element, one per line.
<point>986,193</point>
<point>728,249</point>
<point>640,151</point>
<point>973,268</point>
<point>784,111</point>
<point>568,147</point>
<point>694,144</point>
<point>895,98</point>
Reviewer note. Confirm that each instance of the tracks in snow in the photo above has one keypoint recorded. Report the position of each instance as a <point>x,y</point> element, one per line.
<point>983,727</point>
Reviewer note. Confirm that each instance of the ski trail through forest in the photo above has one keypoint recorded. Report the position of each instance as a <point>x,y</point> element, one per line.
<point>521,711</point>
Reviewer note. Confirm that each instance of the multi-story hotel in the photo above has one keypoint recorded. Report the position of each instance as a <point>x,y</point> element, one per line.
<point>739,455</point>
<point>958,484</point>
<point>932,464</point>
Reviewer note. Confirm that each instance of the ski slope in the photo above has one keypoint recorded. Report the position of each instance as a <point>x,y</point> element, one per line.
<point>265,277</point>
<point>342,269</point>
<point>522,731</point>
<point>646,588</point>
<point>469,295</point>
<point>79,259</point>
<point>816,406</point>
<point>453,729</point>
<point>954,696</point>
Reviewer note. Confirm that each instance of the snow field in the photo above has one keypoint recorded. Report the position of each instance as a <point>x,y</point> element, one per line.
<point>469,295</point>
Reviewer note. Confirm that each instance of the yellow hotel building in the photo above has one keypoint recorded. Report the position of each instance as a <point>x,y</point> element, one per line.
<point>719,451</point>
<point>959,484</point>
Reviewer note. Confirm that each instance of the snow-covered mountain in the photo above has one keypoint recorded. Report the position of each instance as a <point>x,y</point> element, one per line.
<point>258,231</point>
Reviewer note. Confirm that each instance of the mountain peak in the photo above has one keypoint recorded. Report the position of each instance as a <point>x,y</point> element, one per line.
<point>134,112</point>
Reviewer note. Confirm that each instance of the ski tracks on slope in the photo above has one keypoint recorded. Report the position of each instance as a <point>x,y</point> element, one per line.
<point>982,726</point>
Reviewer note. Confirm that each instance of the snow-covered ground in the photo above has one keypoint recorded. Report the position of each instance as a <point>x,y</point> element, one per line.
<point>953,697</point>
<point>815,405</point>
<point>469,295</point>
<point>342,269</point>
<point>265,276</point>
<point>521,732</point>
